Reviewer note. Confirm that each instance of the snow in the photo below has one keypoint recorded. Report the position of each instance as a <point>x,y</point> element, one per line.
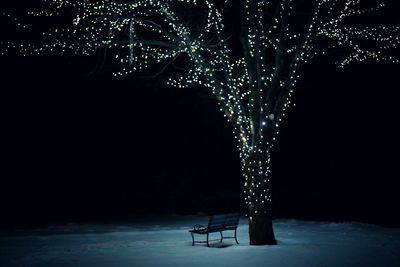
<point>165,241</point>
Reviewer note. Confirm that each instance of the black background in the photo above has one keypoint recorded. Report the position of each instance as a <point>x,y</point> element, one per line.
<point>78,145</point>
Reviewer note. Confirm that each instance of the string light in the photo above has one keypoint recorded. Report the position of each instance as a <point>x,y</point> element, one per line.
<point>254,92</point>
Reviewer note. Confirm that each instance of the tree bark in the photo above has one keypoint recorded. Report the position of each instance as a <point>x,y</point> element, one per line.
<point>260,230</point>
<point>256,172</point>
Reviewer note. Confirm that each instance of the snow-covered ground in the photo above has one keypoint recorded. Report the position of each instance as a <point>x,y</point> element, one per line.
<point>165,241</point>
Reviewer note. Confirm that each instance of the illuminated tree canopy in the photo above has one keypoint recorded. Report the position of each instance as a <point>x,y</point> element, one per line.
<point>253,87</point>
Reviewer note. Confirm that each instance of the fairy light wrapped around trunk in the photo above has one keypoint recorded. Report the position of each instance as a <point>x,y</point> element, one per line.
<point>253,88</point>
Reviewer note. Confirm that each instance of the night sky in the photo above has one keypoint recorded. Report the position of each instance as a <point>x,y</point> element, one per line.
<point>79,145</point>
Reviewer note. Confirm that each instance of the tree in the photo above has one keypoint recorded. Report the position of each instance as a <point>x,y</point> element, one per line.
<point>252,74</point>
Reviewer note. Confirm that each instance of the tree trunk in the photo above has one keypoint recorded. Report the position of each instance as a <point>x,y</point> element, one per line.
<point>260,230</point>
<point>258,197</point>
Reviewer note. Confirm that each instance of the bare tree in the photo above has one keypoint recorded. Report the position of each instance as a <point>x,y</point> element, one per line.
<point>253,79</point>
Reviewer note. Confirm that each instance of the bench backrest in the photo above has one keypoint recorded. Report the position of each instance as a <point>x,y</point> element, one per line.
<point>224,221</point>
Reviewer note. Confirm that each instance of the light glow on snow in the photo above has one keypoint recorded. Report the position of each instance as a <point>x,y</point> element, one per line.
<point>166,242</point>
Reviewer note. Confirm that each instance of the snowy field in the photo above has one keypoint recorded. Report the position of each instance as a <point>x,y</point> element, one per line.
<point>165,241</point>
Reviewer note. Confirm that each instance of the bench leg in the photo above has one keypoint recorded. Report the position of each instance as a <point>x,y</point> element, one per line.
<point>207,241</point>
<point>192,238</point>
<point>222,237</point>
<point>235,237</point>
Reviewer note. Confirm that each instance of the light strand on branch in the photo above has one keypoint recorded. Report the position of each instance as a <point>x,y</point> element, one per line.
<point>187,40</point>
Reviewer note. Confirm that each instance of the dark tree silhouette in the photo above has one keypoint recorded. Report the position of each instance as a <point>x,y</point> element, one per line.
<point>252,72</point>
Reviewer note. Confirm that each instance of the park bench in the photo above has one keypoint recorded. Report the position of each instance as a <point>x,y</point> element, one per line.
<point>217,223</point>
